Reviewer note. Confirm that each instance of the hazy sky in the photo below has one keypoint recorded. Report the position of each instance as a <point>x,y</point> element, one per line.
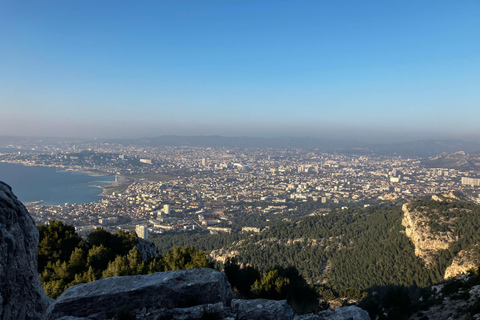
<point>351,69</point>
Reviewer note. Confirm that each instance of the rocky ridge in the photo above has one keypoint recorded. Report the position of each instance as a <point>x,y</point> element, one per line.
<point>456,160</point>
<point>428,242</point>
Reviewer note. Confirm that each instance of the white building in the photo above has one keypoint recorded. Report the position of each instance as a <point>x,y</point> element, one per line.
<point>142,232</point>
<point>166,208</point>
<point>471,181</point>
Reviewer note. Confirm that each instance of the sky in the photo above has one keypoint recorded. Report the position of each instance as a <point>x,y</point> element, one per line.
<point>348,69</point>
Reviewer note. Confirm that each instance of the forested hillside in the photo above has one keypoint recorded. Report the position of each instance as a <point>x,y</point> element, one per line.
<point>65,260</point>
<point>358,249</point>
<point>343,254</point>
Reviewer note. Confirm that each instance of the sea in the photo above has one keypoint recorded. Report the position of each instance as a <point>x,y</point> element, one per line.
<point>53,186</point>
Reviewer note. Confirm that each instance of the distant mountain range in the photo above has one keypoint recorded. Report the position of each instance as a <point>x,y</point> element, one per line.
<point>412,149</point>
<point>418,148</point>
<point>457,160</point>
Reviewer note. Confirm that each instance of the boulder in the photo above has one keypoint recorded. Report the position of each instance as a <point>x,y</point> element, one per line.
<point>344,313</point>
<point>153,294</point>
<point>310,316</point>
<point>146,249</point>
<point>21,293</point>
<point>261,309</point>
<point>209,311</point>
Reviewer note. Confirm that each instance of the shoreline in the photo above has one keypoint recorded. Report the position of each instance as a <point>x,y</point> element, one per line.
<point>88,172</point>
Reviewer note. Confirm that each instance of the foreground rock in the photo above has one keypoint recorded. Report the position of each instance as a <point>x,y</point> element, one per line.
<point>21,293</point>
<point>351,312</point>
<point>154,294</point>
<point>262,309</point>
<point>457,298</point>
<point>177,295</point>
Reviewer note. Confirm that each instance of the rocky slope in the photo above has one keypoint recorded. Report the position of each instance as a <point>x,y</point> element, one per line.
<point>464,261</point>
<point>427,242</point>
<point>455,299</point>
<point>433,229</point>
<point>21,293</point>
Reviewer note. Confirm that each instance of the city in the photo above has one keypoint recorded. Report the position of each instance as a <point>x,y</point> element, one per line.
<point>202,189</point>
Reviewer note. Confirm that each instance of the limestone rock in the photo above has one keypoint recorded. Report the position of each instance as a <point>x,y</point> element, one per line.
<point>192,313</point>
<point>464,261</point>
<point>344,313</point>
<point>146,249</point>
<point>262,309</point>
<point>309,316</point>
<point>445,197</point>
<point>426,242</point>
<point>21,292</point>
<point>221,255</point>
<point>162,290</point>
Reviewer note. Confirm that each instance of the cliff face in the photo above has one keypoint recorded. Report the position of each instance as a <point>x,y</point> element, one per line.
<point>464,261</point>
<point>432,230</point>
<point>427,242</point>
<point>21,293</point>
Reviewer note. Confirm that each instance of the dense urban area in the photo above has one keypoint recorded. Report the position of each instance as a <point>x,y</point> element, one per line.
<point>202,189</point>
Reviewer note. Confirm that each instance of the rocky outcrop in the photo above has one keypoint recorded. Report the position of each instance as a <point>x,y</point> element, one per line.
<point>146,249</point>
<point>21,293</point>
<point>351,312</point>
<point>177,295</point>
<point>221,255</point>
<point>464,261</point>
<point>262,309</point>
<point>445,197</point>
<point>155,294</point>
<point>431,228</point>
<point>454,299</point>
<point>427,243</point>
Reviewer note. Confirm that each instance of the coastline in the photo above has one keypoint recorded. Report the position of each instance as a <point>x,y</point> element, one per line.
<point>89,172</point>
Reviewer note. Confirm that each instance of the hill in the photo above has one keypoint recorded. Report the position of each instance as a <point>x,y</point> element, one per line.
<point>458,160</point>
<point>362,248</point>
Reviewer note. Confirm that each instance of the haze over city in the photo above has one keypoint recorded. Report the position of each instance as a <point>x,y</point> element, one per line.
<point>367,70</point>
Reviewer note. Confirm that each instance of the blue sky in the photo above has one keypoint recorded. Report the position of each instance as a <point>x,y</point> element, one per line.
<point>360,69</point>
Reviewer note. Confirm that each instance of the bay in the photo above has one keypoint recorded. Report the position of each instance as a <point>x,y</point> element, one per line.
<point>52,185</point>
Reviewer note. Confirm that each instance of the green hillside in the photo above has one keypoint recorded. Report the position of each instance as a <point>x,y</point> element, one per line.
<point>359,249</point>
